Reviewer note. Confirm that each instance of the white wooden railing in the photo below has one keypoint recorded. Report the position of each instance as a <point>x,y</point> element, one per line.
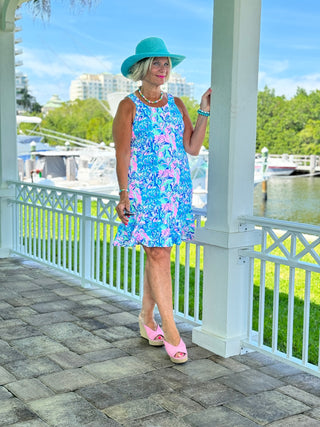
<point>284,282</point>
<point>73,231</point>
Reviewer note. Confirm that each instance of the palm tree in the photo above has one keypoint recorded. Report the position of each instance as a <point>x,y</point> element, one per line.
<point>24,99</point>
<point>43,7</point>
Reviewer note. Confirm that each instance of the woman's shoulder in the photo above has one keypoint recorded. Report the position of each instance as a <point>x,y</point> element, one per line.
<point>177,100</point>
<point>126,108</point>
<point>126,104</point>
<point>179,103</point>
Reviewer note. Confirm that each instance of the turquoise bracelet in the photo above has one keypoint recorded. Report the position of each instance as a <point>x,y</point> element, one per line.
<point>203,113</point>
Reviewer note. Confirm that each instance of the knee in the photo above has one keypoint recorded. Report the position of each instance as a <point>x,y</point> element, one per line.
<point>158,255</point>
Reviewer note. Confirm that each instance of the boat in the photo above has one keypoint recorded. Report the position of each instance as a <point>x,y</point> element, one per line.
<point>280,166</point>
<point>92,166</point>
<point>199,175</point>
<point>27,144</point>
<point>276,166</point>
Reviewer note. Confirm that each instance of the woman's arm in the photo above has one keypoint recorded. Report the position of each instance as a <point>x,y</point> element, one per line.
<point>193,137</point>
<point>122,130</point>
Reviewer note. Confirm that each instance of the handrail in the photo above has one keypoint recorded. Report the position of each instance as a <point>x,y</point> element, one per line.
<point>276,223</point>
<point>73,231</point>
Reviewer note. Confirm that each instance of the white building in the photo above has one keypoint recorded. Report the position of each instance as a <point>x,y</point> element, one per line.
<point>21,87</point>
<point>53,103</point>
<point>100,85</point>
<point>21,81</point>
<point>178,86</point>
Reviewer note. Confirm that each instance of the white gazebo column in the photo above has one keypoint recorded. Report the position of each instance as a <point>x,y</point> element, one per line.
<point>8,144</point>
<point>235,56</point>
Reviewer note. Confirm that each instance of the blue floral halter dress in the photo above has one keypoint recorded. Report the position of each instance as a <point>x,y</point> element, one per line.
<point>159,182</point>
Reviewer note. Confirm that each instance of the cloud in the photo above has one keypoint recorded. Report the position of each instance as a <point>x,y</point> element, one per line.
<point>199,9</point>
<point>288,85</point>
<point>279,75</point>
<point>50,64</point>
<point>307,47</point>
<point>51,73</point>
<point>43,91</point>
<point>274,66</point>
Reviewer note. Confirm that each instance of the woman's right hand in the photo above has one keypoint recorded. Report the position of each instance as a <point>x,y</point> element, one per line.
<point>205,100</point>
<point>123,204</point>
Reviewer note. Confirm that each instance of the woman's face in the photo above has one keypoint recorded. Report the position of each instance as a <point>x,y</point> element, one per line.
<point>157,74</point>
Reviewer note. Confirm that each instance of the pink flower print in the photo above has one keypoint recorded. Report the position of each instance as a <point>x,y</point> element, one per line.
<point>170,207</point>
<point>164,173</point>
<point>141,235</point>
<point>134,163</point>
<point>167,207</point>
<point>175,210</point>
<point>158,169</point>
<point>137,196</point>
<point>160,139</point>
<point>177,175</point>
<point>173,143</point>
<point>165,233</point>
<point>169,172</point>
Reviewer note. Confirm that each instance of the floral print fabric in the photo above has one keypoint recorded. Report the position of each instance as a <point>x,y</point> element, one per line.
<point>160,186</point>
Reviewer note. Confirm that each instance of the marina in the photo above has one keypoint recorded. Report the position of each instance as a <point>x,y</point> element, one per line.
<point>289,183</point>
<point>290,198</point>
<point>281,181</point>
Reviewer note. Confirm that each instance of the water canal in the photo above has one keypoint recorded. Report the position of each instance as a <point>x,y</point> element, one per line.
<point>291,198</point>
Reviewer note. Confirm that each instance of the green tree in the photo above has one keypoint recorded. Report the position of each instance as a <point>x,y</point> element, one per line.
<point>99,130</point>
<point>270,110</point>
<point>192,106</point>
<point>309,138</point>
<point>35,108</point>
<point>24,99</point>
<point>86,119</point>
<point>26,102</point>
<point>288,125</point>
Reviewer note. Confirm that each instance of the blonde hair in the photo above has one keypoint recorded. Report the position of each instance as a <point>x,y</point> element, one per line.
<point>139,70</point>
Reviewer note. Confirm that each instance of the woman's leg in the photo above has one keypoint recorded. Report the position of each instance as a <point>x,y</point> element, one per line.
<point>148,303</point>
<point>158,288</point>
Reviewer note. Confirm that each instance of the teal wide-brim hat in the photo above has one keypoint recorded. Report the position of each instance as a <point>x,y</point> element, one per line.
<point>149,48</point>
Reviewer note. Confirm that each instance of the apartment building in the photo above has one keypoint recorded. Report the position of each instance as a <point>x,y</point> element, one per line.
<point>99,86</point>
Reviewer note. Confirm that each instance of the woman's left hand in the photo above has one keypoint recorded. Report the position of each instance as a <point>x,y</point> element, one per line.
<point>205,100</point>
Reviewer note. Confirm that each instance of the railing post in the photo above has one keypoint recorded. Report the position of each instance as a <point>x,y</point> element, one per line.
<point>313,163</point>
<point>86,242</point>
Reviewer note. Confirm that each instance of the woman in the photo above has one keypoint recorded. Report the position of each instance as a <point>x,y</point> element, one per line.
<point>152,133</point>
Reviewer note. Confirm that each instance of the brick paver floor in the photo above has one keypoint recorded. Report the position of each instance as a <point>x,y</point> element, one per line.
<point>71,356</point>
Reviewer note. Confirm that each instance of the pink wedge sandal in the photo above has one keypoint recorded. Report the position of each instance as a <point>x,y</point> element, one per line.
<point>172,350</point>
<point>155,338</point>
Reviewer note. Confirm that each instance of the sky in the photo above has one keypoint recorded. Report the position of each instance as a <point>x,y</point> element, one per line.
<point>97,39</point>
